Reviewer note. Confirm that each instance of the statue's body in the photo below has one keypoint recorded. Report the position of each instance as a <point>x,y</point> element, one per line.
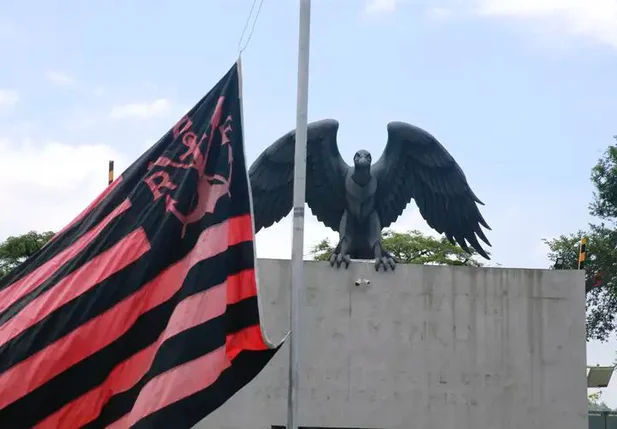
<point>359,201</point>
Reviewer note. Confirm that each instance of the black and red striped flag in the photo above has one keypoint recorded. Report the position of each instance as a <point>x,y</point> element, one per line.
<point>142,312</point>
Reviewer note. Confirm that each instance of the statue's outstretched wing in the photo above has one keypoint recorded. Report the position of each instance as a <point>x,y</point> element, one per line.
<point>415,165</point>
<point>271,177</point>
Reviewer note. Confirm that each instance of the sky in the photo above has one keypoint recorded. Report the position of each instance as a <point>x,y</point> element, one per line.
<point>521,92</point>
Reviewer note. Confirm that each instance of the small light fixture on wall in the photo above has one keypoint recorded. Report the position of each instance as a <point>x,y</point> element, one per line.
<point>558,263</point>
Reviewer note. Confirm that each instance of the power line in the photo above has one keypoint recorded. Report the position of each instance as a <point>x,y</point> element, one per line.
<point>241,47</point>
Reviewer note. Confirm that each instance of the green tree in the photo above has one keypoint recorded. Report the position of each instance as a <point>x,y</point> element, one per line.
<point>601,260</point>
<point>16,249</point>
<point>412,247</point>
<point>604,179</point>
<point>595,403</point>
<point>600,274</point>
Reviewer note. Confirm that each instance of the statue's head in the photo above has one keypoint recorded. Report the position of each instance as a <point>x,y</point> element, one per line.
<point>362,159</point>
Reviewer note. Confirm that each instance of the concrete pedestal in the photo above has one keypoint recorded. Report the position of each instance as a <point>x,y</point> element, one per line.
<point>425,347</point>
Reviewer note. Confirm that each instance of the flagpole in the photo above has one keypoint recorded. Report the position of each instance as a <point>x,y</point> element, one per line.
<point>297,248</point>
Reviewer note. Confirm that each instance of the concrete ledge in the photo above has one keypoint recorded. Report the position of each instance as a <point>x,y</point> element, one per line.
<point>423,347</point>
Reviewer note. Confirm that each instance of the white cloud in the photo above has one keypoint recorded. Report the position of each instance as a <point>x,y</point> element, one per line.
<point>8,98</point>
<point>143,110</point>
<point>44,185</point>
<point>380,6</point>
<point>594,19</point>
<point>440,12</point>
<point>59,78</point>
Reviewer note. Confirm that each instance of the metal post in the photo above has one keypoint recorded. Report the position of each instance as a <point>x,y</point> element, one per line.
<point>582,253</point>
<point>297,249</point>
<point>111,172</point>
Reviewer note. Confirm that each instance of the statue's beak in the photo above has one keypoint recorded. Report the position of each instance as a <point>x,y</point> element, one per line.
<point>363,163</point>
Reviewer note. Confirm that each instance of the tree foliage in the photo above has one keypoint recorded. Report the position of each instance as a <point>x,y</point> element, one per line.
<point>412,247</point>
<point>595,403</point>
<point>601,260</point>
<point>604,179</point>
<point>16,249</point>
<point>600,274</point>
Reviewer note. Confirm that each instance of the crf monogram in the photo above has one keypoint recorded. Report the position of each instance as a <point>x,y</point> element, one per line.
<point>210,188</point>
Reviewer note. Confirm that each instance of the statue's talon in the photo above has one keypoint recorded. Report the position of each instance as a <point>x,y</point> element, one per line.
<point>387,262</point>
<point>384,262</point>
<point>347,260</point>
<point>392,263</point>
<point>338,259</point>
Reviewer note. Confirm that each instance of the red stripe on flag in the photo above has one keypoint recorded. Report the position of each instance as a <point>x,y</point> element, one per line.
<point>241,286</point>
<point>249,338</point>
<point>189,378</point>
<point>118,257</point>
<point>175,385</point>
<point>190,312</point>
<point>91,207</point>
<point>27,284</point>
<point>109,326</point>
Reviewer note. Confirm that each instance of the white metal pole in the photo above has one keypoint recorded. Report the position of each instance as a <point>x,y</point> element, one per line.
<point>297,249</point>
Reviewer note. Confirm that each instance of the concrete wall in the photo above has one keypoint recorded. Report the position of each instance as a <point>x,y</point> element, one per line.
<point>424,347</point>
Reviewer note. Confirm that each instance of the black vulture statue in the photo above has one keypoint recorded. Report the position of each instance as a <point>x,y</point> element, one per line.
<point>359,201</point>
